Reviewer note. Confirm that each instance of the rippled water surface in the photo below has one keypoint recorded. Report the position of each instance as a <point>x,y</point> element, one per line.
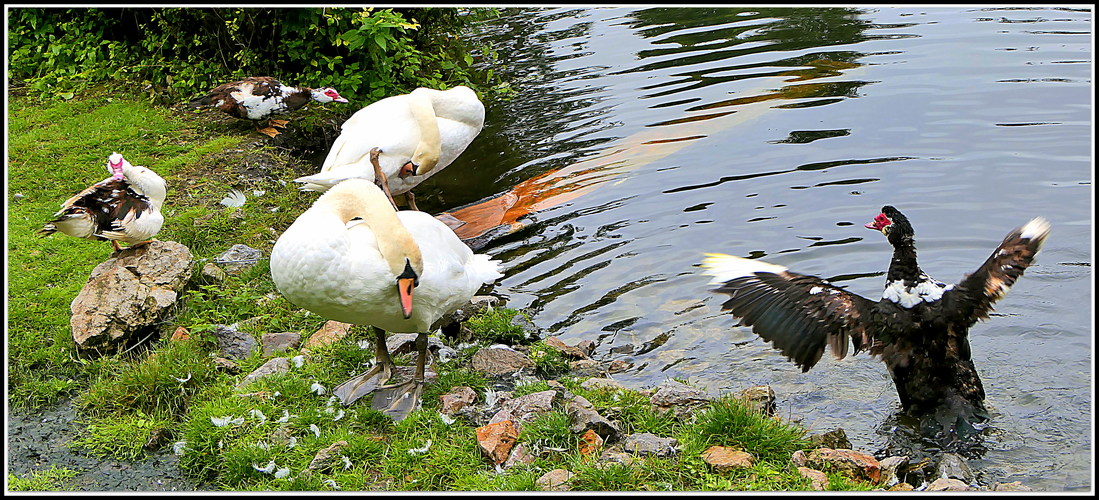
<point>777,133</point>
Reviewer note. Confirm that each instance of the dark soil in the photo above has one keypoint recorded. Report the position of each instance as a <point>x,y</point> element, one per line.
<point>37,441</point>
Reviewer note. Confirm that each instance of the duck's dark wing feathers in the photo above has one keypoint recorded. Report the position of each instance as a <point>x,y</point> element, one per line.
<point>109,202</point>
<point>973,296</point>
<point>800,314</point>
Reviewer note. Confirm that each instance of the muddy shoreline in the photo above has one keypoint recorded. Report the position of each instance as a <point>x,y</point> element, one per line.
<point>38,440</point>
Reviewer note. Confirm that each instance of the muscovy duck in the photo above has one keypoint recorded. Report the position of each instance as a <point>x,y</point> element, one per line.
<point>259,98</point>
<point>123,207</point>
<point>412,136</point>
<point>352,258</point>
<point>919,328</point>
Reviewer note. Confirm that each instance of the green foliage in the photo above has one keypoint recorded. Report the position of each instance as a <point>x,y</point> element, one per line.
<point>162,383</point>
<point>365,53</point>
<point>732,422</point>
<point>52,479</point>
<point>549,362</point>
<point>119,437</point>
<point>494,326</point>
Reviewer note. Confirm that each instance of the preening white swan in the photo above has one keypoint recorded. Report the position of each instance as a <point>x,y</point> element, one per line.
<point>352,257</point>
<point>416,134</point>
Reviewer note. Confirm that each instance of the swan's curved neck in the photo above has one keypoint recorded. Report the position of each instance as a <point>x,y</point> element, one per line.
<point>363,200</point>
<point>422,106</point>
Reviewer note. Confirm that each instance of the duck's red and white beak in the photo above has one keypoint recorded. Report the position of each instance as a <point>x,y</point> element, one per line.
<point>114,165</point>
<point>879,222</point>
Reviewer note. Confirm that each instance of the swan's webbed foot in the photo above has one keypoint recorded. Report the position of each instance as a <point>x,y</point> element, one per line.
<point>398,400</point>
<point>363,384</point>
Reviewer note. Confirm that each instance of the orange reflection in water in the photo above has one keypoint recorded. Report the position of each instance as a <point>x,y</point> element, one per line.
<point>651,144</point>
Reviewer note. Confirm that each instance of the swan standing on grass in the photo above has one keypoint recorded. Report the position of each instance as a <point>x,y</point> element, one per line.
<point>413,136</point>
<point>352,257</point>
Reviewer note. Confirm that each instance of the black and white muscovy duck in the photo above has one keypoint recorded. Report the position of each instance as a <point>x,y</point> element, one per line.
<point>259,98</point>
<point>919,328</point>
<point>123,207</point>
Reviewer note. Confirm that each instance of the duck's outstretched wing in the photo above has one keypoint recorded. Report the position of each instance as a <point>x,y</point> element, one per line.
<point>975,294</point>
<point>798,314</point>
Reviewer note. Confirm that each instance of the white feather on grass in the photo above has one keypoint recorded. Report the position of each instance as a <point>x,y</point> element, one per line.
<point>235,198</point>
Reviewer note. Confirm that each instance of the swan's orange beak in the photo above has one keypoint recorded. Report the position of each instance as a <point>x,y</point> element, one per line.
<point>404,289</point>
<point>407,169</point>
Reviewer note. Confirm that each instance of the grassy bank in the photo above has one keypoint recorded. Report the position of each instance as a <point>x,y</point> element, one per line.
<point>58,147</point>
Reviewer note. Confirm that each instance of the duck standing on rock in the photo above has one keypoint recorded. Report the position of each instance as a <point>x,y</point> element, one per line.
<point>259,98</point>
<point>400,141</point>
<point>353,258</point>
<point>919,328</point>
<point>123,207</point>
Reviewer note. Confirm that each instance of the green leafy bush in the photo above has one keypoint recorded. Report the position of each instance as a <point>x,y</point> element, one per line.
<point>177,53</point>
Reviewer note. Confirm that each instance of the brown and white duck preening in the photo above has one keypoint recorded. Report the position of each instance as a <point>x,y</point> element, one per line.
<point>260,98</point>
<point>919,327</point>
<point>124,207</point>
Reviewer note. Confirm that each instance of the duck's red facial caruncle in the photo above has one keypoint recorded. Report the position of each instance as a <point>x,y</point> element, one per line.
<point>334,95</point>
<point>114,166</point>
<point>880,223</point>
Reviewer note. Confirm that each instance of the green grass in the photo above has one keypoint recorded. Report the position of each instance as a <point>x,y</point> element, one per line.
<point>52,479</point>
<point>57,148</point>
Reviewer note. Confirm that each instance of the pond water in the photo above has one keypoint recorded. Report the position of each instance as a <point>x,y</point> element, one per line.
<point>777,133</point>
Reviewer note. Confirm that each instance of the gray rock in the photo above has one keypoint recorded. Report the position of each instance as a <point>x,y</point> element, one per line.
<point>583,418</point>
<point>948,484</point>
<point>500,360</point>
<point>889,466</point>
<point>272,366</point>
<point>601,383</point>
<point>401,343</point>
<point>213,273</point>
<point>953,466</point>
<point>762,398</point>
<point>525,408</point>
<point>127,295</point>
<point>835,439</point>
<point>530,331</point>
<point>586,368</point>
<point>275,342</point>
<point>238,257</point>
<point>650,444</point>
<point>679,398</point>
<point>234,344</point>
<point>1012,486</point>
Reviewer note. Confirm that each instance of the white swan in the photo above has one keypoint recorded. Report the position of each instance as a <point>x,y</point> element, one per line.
<point>352,258</point>
<point>417,135</point>
<point>123,207</point>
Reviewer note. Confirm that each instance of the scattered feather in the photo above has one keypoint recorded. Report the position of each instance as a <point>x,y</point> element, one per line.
<point>258,192</point>
<point>226,420</point>
<point>298,360</point>
<point>235,198</point>
<point>292,442</point>
<point>285,417</point>
<point>258,415</point>
<point>183,380</point>
<point>316,430</point>
<point>263,445</point>
<point>338,416</point>
<point>179,447</point>
<point>317,389</point>
<point>267,469</point>
<point>447,419</point>
<point>282,473</point>
<point>346,462</point>
<point>417,451</point>
<point>331,483</point>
